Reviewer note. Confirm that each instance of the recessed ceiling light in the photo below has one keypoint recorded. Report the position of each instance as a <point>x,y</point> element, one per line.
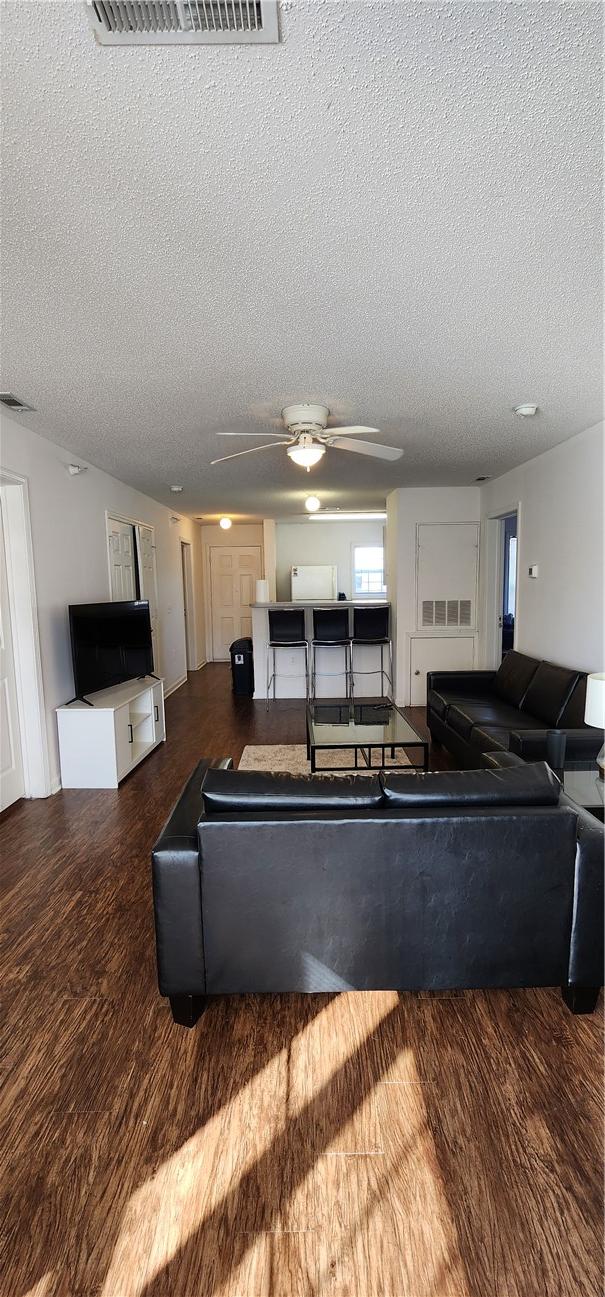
<point>485,478</point>
<point>312,504</point>
<point>225,523</point>
<point>176,490</point>
<point>526,411</point>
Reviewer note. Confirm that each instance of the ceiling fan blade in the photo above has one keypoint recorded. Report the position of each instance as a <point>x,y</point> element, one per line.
<point>368,448</point>
<point>269,445</point>
<point>250,434</point>
<point>353,431</point>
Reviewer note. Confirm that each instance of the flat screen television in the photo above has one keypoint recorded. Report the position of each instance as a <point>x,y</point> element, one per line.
<point>110,642</point>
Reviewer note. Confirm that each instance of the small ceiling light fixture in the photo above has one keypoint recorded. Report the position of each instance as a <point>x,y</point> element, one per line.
<point>378,516</point>
<point>306,453</point>
<point>486,477</point>
<point>225,523</point>
<point>526,411</point>
<point>176,490</point>
<point>312,504</point>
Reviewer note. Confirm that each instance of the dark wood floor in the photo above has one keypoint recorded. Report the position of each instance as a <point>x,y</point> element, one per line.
<point>362,1145</point>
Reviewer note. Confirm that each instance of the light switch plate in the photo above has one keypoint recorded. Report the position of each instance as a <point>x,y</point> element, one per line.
<point>533,570</point>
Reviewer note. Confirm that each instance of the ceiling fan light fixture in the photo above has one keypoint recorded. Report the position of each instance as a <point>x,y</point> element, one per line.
<point>312,504</point>
<point>225,523</point>
<point>306,453</point>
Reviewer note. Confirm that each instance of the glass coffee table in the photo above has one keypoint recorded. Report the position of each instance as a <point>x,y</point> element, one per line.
<point>361,728</point>
<point>585,787</point>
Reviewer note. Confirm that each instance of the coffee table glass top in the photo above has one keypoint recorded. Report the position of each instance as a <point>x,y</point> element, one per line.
<point>585,787</point>
<point>361,724</point>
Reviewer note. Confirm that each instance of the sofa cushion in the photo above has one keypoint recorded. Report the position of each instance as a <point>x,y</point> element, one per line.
<point>228,791</point>
<point>527,785</point>
<point>572,716</point>
<point>513,677</point>
<point>464,715</point>
<point>490,738</point>
<point>548,692</point>
<point>437,702</point>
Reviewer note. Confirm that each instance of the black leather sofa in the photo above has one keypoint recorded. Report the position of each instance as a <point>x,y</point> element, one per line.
<point>510,709</point>
<point>272,883</point>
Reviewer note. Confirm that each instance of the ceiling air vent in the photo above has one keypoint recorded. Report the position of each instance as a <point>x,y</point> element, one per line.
<point>13,403</point>
<point>184,22</point>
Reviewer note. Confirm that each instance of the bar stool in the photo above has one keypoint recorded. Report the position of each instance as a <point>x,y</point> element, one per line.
<point>371,626</point>
<point>286,630</point>
<point>331,630</point>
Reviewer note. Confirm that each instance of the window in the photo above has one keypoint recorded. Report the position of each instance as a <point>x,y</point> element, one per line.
<point>368,571</point>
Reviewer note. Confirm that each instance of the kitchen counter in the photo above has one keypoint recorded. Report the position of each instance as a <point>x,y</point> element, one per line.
<point>321,603</point>
<point>290,663</point>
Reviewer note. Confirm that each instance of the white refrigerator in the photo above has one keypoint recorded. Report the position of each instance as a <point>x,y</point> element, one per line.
<point>314,583</point>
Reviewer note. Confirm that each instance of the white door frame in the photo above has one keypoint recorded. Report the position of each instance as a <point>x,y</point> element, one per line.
<point>494,575</point>
<point>188,602</point>
<point>24,618</point>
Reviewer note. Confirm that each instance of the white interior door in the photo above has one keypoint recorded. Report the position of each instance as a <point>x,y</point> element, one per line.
<point>121,559</point>
<point>188,604</point>
<point>11,763</point>
<point>234,571</point>
<point>148,585</point>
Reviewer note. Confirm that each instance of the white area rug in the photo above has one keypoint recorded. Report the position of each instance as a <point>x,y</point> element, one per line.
<point>292,759</point>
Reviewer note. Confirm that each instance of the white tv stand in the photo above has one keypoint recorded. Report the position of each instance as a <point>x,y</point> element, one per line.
<point>100,744</point>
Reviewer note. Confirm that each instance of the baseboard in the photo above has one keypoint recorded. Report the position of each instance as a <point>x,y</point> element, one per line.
<point>201,664</point>
<point>177,684</point>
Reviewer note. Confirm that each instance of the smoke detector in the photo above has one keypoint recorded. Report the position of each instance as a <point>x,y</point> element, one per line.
<point>526,411</point>
<point>184,22</point>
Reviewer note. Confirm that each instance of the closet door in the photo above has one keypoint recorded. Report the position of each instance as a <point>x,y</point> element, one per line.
<point>148,585</point>
<point>447,564</point>
<point>121,559</point>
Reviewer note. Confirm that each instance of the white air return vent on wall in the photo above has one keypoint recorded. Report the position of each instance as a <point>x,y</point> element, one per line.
<point>446,612</point>
<point>184,22</point>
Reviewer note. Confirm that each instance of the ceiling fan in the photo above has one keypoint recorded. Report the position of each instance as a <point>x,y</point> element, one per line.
<point>308,438</point>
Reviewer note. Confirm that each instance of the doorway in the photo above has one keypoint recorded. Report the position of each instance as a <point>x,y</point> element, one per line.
<point>508,566</point>
<point>187,573</point>
<point>234,571</point>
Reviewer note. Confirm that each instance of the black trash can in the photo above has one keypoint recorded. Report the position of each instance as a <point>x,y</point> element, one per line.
<point>242,668</point>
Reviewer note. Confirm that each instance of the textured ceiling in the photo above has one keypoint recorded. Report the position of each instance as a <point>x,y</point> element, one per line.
<point>394,211</point>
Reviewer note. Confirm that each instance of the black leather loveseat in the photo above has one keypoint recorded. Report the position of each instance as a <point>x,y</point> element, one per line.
<point>510,709</point>
<point>273,883</point>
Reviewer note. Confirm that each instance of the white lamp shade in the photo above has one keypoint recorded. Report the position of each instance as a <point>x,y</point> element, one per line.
<point>594,713</point>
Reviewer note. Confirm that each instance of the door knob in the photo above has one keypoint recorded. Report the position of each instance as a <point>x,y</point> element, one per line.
<point>416,673</point>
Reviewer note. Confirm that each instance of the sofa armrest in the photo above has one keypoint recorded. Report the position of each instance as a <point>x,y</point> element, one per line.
<point>586,947</point>
<point>467,682</point>
<point>177,900</point>
<point>587,930</point>
<point>581,745</point>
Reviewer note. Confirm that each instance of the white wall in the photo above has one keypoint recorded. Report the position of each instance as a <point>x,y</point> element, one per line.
<point>560,499</point>
<point>71,558</point>
<point>322,542</point>
<point>405,509</point>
